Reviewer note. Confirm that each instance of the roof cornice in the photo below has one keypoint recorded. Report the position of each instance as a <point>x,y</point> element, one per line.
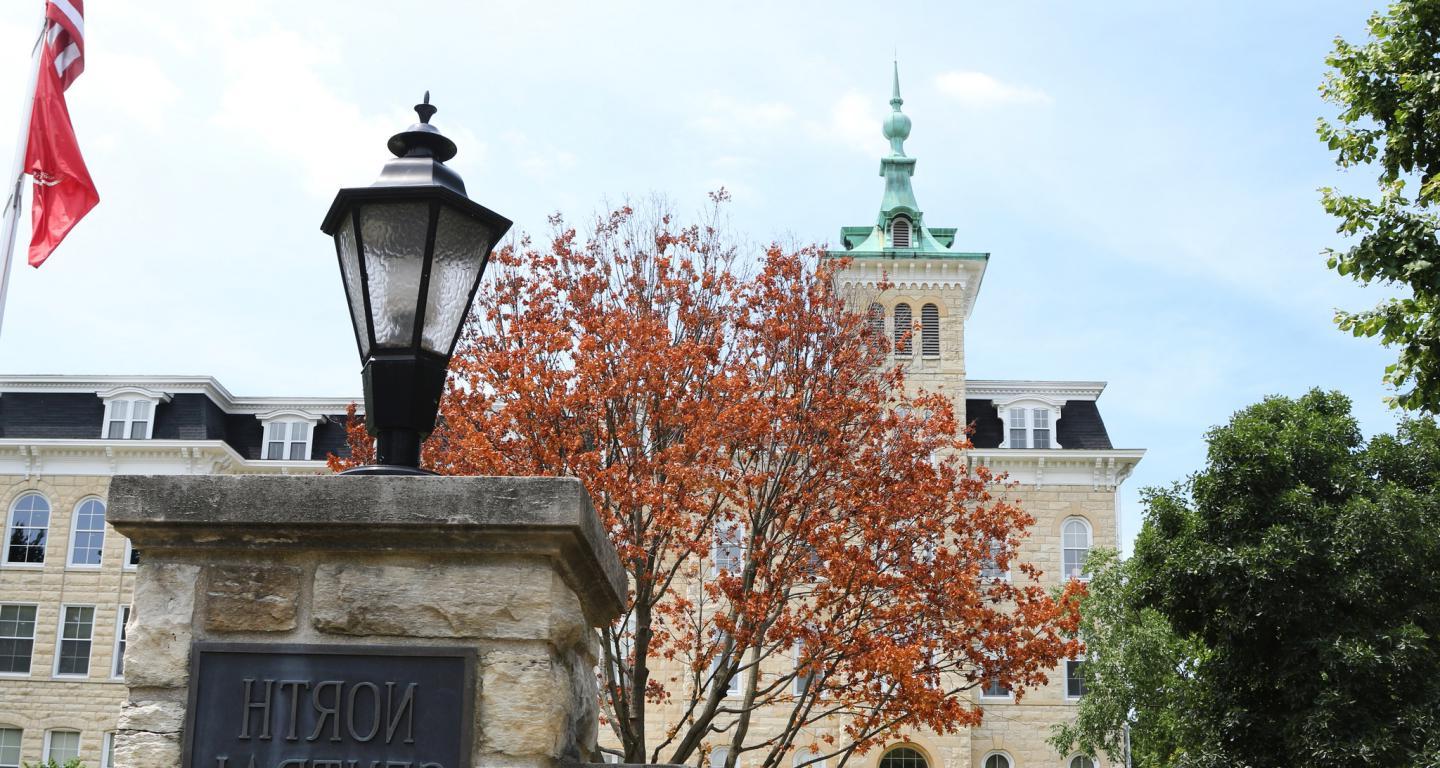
<point>172,385</point>
<point>999,389</point>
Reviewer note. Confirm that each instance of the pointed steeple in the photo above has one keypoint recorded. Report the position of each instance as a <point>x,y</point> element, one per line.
<point>897,168</point>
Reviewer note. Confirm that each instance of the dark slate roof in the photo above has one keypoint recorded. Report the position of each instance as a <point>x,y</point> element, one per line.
<point>188,416</point>
<point>1080,426</point>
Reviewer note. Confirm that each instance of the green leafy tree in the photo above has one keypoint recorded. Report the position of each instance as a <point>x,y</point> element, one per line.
<point>1388,94</point>
<point>1282,607</point>
<point>71,763</point>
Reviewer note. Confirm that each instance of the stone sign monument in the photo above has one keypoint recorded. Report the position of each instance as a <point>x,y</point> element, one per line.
<point>362,621</point>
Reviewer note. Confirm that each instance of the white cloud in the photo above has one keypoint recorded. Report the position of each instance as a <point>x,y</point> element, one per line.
<point>854,123</point>
<point>539,159</point>
<point>738,121</point>
<point>977,89</point>
<point>134,86</point>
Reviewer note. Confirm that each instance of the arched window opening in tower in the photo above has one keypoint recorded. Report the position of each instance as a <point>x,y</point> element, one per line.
<point>900,232</point>
<point>875,321</point>
<point>930,330</point>
<point>904,330</point>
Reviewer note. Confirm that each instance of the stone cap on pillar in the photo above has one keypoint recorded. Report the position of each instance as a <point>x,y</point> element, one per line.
<point>443,517</point>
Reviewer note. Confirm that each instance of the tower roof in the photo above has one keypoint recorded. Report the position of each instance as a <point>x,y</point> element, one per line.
<point>899,201</point>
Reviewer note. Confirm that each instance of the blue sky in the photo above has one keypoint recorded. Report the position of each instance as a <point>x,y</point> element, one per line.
<point>1144,176</point>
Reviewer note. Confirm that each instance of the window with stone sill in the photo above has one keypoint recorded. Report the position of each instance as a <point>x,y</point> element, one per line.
<point>72,650</point>
<point>27,529</point>
<point>17,641</point>
<point>1075,545</point>
<point>87,534</point>
<point>287,440</point>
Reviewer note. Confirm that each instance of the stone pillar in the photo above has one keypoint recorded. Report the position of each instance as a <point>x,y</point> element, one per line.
<point>509,573</point>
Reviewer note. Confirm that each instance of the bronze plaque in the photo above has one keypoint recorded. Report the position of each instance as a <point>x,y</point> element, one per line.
<point>257,705</point>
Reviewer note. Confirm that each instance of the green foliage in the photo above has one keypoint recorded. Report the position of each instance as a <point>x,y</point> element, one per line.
<point>73,762</point>
<point>1282,607</point>
<point>1388,93</point>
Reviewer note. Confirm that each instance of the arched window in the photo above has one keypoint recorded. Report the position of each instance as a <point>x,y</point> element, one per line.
<point>930,330</point>
<point>875,320</point>
<point>904,330</point>
<point>87,533</point>
<point>997,760</point>
<point>1081,761</point>
<point>900,232</point>
<point>27,529</point>
<point>903,757</point>
<point>1076,543</point>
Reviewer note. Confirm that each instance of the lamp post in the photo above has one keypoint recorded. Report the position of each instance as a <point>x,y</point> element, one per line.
<point>412,248</point>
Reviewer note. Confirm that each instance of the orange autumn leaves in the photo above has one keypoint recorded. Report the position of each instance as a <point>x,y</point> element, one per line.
<point>715,406</point>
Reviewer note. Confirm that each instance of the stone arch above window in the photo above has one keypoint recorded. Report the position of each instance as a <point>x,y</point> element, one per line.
<point>997,760</point>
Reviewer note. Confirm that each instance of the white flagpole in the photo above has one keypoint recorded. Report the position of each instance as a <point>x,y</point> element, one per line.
<point>10,224</point>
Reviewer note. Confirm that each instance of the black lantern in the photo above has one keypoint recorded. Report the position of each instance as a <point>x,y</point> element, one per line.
<point>412,248</point>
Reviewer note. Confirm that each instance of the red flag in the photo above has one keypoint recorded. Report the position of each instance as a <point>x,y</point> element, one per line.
<point>63,191</point>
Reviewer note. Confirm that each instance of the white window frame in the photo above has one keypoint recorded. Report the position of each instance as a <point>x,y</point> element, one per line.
<point>809,679</point>
<point>79,743</point>
<point>803,759</point>
<point>1029,405</point>
<point>1009,761</point>
<point>721,752</point>
<point>74,522</point>
<point>60,639</point>
<point>1008,695</point>
<point>1089,546</point>
<point>736,681</point>
<point>732,565</point>
<point>1070,762</point>
<point>986,574</point>
<point>117,650</point>
<point>10,525</point>
<point>34,628</point>
<point>1068,697</point>
<point>107,748</point>
<point>271,419</point>
<point>20,755</point>
<point>126,564</point>
<point>130,395</point>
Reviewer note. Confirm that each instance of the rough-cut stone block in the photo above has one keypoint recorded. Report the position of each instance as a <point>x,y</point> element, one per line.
<point>509,599</point>
<point>143,749</point>
<point>156,716</point>
<point>251,598</point>
<point>157,648</point>
<point>526,704</point>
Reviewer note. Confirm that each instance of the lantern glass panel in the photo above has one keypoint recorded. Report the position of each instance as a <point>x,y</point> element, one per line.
<point>354,287</point>
<point>393,236</point>
<point>461,243</point>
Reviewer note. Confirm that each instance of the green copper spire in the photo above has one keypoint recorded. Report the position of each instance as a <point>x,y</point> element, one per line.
<point>897,168</point>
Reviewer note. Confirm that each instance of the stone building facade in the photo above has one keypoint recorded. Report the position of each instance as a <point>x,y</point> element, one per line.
<point>66,577</point>
<point>1047,436</point>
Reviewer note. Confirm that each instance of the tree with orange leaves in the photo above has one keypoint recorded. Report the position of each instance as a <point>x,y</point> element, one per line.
<point>803,535</point>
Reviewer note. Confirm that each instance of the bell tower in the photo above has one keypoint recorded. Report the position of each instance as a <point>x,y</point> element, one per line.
<point>929,288</point>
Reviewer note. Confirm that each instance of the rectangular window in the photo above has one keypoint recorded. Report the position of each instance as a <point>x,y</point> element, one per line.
<point>128,419</point>
<point>1074,679</point>
<point>287,440</point>
<point>1041,431</point>
<point>17,639</point>
<point>107,751</point>
<point>729,551</point>
<point>77,629</point>
<point>732,686</point>
<point>132,556</point>
<point>62,746</point>
<point>119,415</point>
<point>122,617</point>
<point>1017,428</point>
<point>803,675</point>
<point>139,422</point>
<point>990,568</point>
<point>10,747</point>
<point>994,689</point>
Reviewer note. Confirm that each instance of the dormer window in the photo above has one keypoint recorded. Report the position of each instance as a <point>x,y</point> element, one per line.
<point>130,413</point>
<point>900,232</point>
<point>1029,424</point>
<point>287,435</point>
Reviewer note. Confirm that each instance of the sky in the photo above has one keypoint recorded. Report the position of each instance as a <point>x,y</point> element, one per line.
<point>1143,175</point>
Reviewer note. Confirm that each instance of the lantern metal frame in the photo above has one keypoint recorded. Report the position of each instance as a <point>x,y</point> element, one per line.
<point>404,383</point>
